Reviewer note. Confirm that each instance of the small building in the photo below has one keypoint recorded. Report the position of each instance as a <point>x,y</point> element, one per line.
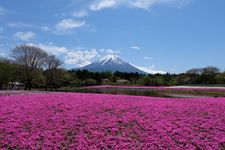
<point>15,86</point>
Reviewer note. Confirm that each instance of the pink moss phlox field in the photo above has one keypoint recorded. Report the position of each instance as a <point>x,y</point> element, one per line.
<point>160,88</point>
<point>92,121</point>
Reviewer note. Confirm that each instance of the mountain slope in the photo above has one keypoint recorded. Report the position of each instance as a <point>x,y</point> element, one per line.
<point>111,63</point>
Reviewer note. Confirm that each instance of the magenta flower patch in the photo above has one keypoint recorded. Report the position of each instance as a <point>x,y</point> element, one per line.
<point>92,121</point>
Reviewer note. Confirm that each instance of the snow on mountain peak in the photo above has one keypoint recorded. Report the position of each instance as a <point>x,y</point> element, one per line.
<point>110,58</point>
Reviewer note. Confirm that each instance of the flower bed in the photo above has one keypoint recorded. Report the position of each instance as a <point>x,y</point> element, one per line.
<point>92,121</point>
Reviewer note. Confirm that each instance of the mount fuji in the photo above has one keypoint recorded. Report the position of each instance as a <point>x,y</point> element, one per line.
<point>111,63</point>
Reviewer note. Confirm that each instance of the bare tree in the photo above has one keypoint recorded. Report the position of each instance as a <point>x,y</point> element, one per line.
<point>52,65</point>
<point>30,58</point>
<point>206,70</point>
<point>196,71</point>
<point>211,70</point>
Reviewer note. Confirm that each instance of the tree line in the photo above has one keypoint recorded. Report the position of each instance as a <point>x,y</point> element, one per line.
<point>31,67</point>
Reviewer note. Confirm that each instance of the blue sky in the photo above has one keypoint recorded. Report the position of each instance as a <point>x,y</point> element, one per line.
<point>155,35</point>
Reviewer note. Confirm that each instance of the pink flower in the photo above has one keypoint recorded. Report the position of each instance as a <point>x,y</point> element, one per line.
<point>92,121</point>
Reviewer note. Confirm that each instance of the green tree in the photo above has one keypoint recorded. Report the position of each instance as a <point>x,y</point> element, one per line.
<point>39,80</point>
<point>76,83</point>
<point>90,82</point>
<point>5,73</point>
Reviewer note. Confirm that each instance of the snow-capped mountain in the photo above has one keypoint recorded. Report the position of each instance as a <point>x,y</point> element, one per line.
<point>111,63</point>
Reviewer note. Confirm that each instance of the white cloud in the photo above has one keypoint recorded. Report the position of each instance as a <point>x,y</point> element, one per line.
<point>25,36</point>
<point>69,24</point>
<point>51,48</point>
<point>142,4</point>
<point>3,11</point>
<point>80,58</point>
<point>148,58</point>
<point>150,70</point>
<point>81,13</point>
<point>19,25</point>
<point>135,47</point>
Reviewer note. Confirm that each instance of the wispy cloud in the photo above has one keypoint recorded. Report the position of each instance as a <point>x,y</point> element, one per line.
<point>19,25</point>
<point>142,4</point>
<point>79,14</point>
<point>66,25</point>
<point>101,4</point>
<point>135,47</point>
<point>108,52</point>
<point>147,58</point>
<point>3,11</point>
<point>25,36</point>
<point>45,28</point>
